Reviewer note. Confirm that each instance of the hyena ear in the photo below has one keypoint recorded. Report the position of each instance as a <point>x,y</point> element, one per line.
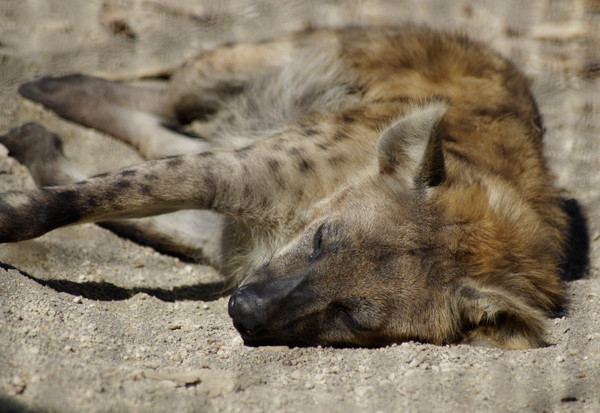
<point>412,149</point>
<point>491,316</point>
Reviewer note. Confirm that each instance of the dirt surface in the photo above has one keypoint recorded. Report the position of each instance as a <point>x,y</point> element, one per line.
<point>91,322</point>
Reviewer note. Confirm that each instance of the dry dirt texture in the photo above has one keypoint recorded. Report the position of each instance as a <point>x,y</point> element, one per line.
<point>91,322</point>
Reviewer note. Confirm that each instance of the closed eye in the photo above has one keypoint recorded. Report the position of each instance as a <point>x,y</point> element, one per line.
<point>317,243</point>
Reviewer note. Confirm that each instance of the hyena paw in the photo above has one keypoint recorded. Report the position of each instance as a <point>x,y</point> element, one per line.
<point>63,95</point>
<point>31,143</point>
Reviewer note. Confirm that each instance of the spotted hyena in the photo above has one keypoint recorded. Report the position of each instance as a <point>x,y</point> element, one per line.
<point>361,186</point>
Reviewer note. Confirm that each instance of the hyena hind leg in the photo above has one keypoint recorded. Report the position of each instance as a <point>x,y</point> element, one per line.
<point>136,115</point>
<point>189,235</point>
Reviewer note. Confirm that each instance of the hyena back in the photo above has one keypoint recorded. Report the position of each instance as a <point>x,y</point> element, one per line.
<point>371,185</point>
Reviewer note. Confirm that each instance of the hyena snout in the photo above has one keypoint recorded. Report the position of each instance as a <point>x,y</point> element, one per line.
<point>258,309</point>
<point>247,309</point>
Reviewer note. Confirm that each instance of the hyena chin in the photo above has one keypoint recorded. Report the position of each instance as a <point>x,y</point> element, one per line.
<point>359,186</point>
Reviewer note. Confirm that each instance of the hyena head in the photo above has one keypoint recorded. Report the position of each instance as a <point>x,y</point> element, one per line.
<point>383,262</point>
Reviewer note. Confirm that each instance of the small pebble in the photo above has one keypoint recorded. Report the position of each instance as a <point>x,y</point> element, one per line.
<point>152,364</point>
<point>361,391</point>
<point>18,384</point>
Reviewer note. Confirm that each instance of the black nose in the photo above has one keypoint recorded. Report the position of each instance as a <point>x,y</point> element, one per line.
<point>263,311</point>
<point>248,309</point>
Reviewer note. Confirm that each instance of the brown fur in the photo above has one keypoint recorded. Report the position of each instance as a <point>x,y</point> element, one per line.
<point>377,185</point>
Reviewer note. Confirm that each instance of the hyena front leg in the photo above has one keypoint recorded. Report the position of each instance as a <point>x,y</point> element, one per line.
<point>189,235</point>
<point>200,181</point>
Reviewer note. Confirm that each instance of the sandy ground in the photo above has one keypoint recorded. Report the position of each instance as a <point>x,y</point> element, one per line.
<point>91,322</point>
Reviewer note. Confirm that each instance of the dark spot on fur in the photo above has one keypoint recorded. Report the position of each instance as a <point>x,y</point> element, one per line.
<point>340,136</point>
<point>128,172</point>
<point>304,165</point>
<point>336,160</point>
<point>309,131</point>
<point>104,175</point>
<point>352,90</point>
<point>591,71</point>
<point>145,189</point>
<point>205,154</point>
<point>322,146</point>
<point>279,180</point>
<point>295,151</point>
<point>174,162</point>
<point>273,165</point>
<point>66,196</point>
<point>348,118</point>
<point>92,202</point>
<point>110,195</point>
<point>150,177</point>
<point>242,153</point>
<point>123,184</point>
<point>64,207</point>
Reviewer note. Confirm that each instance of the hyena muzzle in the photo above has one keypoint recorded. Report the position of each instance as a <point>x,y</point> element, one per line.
<point>360,187</point>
